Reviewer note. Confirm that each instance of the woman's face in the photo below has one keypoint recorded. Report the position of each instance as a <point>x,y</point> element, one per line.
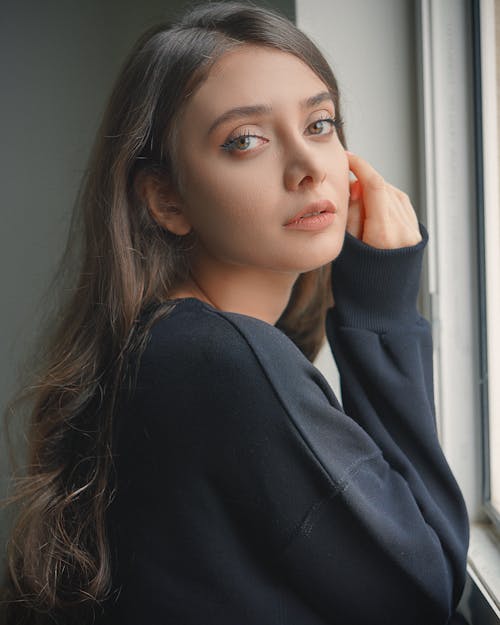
<point>247,172</point>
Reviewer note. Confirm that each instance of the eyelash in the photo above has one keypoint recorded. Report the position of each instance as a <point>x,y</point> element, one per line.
<point>229,145</point>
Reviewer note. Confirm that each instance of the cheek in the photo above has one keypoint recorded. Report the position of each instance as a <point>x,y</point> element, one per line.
<point>223,193</point>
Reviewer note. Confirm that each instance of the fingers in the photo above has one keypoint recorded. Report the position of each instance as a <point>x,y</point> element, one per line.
<point>380,214</point>
<point>406,212</point>
<point>364,172</point>
<point>355,215</point>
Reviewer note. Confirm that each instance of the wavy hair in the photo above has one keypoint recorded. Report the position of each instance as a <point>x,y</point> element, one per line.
<point>119,263</point>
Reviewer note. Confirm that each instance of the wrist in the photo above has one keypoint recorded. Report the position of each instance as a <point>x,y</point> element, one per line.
<point>375,288</point>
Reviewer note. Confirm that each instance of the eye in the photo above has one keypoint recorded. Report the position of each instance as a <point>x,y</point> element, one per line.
<point>243,142</point>
<point>323,126</point>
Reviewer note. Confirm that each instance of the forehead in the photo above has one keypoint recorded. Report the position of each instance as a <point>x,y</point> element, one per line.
<point>252,74</point>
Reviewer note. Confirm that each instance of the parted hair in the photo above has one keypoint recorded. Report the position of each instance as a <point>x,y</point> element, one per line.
<point>117,265</point>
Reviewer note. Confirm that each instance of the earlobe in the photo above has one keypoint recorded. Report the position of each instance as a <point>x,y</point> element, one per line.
<point>164,205</point>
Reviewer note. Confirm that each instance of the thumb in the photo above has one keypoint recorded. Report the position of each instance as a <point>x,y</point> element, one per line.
<point>355,215</point>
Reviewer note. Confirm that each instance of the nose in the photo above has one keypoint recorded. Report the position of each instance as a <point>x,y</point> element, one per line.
<point>304,166</point>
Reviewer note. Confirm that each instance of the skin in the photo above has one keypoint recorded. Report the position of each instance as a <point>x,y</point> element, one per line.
<point>238,199</point>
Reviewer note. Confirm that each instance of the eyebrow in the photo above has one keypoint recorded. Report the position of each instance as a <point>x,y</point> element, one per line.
<point>264,109</point>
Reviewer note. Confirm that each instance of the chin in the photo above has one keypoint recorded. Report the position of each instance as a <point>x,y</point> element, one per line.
<point>320,259</point>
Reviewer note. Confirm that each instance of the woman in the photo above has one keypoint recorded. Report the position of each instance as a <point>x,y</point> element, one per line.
<point>188,464</point>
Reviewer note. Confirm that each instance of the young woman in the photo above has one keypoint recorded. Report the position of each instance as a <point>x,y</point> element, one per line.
<point>187,462</point>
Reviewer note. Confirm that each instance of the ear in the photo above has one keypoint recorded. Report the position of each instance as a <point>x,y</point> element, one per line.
<point>164,204</point>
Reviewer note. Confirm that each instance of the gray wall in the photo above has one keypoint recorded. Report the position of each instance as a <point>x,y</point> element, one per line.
<point>371,46</point>
<point>58,60</point>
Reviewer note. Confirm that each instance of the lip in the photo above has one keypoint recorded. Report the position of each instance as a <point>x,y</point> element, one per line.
<point>318,206</point>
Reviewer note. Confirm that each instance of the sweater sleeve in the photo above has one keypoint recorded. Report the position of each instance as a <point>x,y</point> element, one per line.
<point>383,350</point>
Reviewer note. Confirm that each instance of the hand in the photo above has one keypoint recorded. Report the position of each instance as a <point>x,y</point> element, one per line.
<point>379,214</point>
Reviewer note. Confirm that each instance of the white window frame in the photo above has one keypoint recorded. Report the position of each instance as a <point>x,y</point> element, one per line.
<point>449,189</point>
<point>491,244</point>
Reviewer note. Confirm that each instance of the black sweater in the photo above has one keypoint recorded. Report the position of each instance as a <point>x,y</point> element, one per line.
<point>247,496</point>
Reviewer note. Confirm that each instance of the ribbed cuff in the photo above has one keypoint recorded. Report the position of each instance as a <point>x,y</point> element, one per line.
<point>377,289</point>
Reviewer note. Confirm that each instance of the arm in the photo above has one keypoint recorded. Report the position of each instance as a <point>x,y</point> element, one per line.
<point>383,349</point>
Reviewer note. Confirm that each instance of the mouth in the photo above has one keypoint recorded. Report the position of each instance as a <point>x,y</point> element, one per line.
<point>312,210</point>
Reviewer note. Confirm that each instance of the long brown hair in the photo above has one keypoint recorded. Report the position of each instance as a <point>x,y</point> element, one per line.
<point>119,263</point>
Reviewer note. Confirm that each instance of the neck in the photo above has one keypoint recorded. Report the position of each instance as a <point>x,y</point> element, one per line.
<point>251,291</point>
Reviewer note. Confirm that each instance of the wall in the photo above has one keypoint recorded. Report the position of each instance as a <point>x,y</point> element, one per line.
<point>371,47</point>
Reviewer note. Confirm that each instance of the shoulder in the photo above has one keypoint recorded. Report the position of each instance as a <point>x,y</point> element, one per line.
<point>236,384</point>
<point>210,369</point>
<point>194,328</point>
<point>195,334</point>
<point>227,357</point>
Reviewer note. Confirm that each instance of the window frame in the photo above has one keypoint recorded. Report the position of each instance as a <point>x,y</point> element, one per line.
<point>488,167</point>
<point>448,190</point>
<point>451,183</point>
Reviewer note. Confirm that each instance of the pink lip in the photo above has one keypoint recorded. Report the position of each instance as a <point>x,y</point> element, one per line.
<point>319,206</point>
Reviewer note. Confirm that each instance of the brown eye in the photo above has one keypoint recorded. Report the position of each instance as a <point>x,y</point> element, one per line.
<point>322,126</point>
